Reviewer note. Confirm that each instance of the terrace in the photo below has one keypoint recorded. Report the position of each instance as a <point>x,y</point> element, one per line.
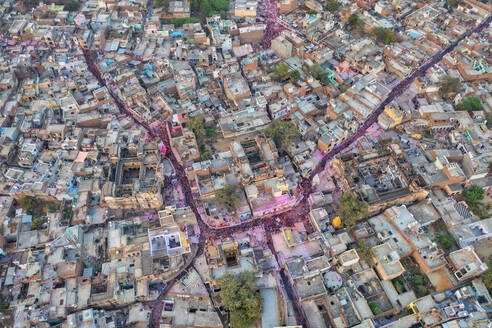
<point>339,306</point>
<point>368,284</point>
<point>383,176</point>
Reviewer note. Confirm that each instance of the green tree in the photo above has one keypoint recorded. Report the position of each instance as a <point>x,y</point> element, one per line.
<point>295,75</point>
<point>473,194</point>
<point>446,241</point>
<point>220,5</point>
<point>161,3</point>
<point>364,251</point>
<point>316,70</point>
<point>488,117</point>
<point>487,277</point>
<point>31,3</point>
<point>452,3</point>
<point>384,35</point>
<point>210,132</point>
<point>351,209</point>
<point>439,226</point>
<point>241,298</point>
<point>344,87</point>
<point>354,20</point>
<point>227,198</point>
<point>4,305</point>
<point>281,132</point>
<point>418,279</point>
<point>71,6</point>
<point>375,308</point>
<point>28,203</point>
<point>281,70</point>
<point>399,284</point>
<point>313,12</point>
<point>37,223</point>
<point>178,22</point>
<point>205,156</point>
<point>195,4</point>
<point>470,103</point>
<point>319,73</point>
<point>421,290</point>
<point>94,54</point>
<point>419,283</point>
<point>449,86</point>
<point>356,23</point>
<point>53,207</point>
<point>206,8</point>
<point>197,125</point>
<point>332,5</point>
<point>67,212</point>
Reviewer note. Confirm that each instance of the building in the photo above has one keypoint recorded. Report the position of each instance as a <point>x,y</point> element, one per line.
<point>287,6</point>
<point>179,9</point>
<point>245,8</point>
<point>466,263</point>
<point>282,47</point>
<point>387,261</point>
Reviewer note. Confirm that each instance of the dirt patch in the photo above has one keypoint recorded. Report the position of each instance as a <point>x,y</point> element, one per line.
<point>7,318</point>
<point>440,280</point>
<point>484,249</point>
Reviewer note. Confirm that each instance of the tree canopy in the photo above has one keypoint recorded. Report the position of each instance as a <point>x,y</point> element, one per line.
<point>220,5</point>
<point>384,35</point>
<point>418,281</point>
<point>206,8</point>
<point>4,305</point>
<point>294,76</point>
<point>37,223</point>
<point>472,196</point>
<point>375,308</point>
<point>205,156</point>
<point>281,132</point>
<point>487,276</point>
<point>94,54</point>
<point>28,203</point>
<point>32,205</point>
<point>452,3</point>
<point>178,22</point>
<point>470,103</point>
<point>227,198</point>
<point>364,251</point>
<point>161,3</point>
<point>446,241</point>
<point>197,125</point>
<point>281,71</point>
<point>31,3</point>
<point>356,23</point>
<point>351,209</point>
<point>209,8</point>
<point>67,212</point>
<point>332,5</point>
<point>241,298</point>
<point>71,6</point>
<point>319,73</point>
<point>449,86</point>
<point>354,20</point>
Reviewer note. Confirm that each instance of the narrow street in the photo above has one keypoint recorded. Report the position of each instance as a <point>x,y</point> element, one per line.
<point>289,289</point>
